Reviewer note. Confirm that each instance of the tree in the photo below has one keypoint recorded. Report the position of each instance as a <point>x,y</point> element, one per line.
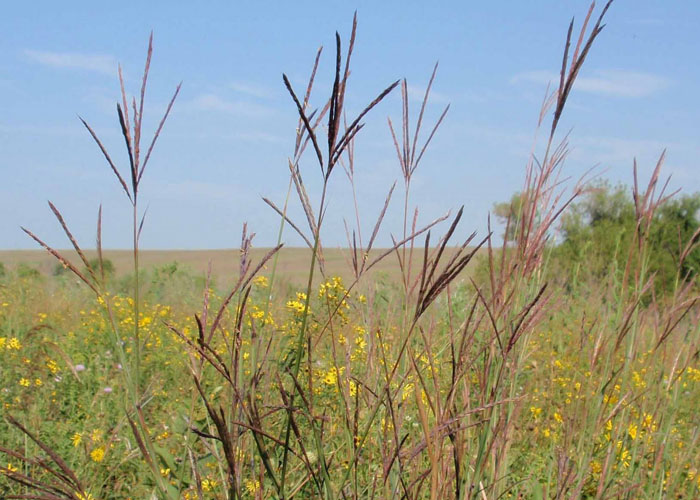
<point>598,230</point>
<point>107,266</point>
<point>509,213</point>
<point>678,223</point>
<point>25,271</point>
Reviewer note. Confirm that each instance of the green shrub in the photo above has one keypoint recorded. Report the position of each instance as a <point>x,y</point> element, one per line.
<point>27,272</point>
<point>598,230</point>
<point>107,266</point>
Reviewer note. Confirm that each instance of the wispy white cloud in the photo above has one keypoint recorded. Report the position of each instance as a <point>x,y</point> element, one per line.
<point>251,89</point>
<point>97,63</point>
<point>615,156</point>
<point>619,152</point>
<point>214,102</point>
<point>611,82</point>
<point>41,130</point>
<point>416,93</point>
<point>482,95</point>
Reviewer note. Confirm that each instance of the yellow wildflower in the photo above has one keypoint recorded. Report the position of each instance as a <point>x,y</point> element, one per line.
<point>209,484</point>
<point>632,431</point>
<point>296,306</point>
<point>52,366</point>
<point>256,312</point>
<point>638,380</point>
<point>625,457</point>
<point>77,438</point>
<point>407,391</point>
<point>648,422</point>
<point>331,376</point>
<point>252,486</point>
<point>360,342</point>
<point>98,454</point>
<point>261,281</point>
<point>96,435</point>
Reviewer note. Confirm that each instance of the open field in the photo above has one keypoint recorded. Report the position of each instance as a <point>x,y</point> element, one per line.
<point>559,361</point>
<point>293,263</point>
<point>576,384</point>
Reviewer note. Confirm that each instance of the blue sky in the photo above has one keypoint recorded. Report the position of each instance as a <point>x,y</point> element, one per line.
<point>232,127</point>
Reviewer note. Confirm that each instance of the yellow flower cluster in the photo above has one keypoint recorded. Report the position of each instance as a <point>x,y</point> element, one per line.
<point>76,439</point>
<point>53,366</point>
<point>692,374</point>
<point>252,486</point>
<point>297,306</point>
<point>261,281</point>
<point>209,484</point>
<point>98,454</point>
<point>333,293</point>
<point>13,344</point>
<point>331,376</point>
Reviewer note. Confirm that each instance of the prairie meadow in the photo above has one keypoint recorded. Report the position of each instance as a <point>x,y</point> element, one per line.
<point>555,356</point>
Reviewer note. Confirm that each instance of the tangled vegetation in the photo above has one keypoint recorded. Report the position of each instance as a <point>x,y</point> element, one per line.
<point>440,384</point>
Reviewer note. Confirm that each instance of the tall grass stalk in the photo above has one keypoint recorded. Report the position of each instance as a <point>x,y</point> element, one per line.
<point>448,385</point>
<point>131,363</point>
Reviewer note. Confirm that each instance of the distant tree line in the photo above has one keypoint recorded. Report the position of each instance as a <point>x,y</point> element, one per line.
<point>596,231</point>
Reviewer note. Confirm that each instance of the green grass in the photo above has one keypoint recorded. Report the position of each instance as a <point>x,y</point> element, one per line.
<point>407,373</point>
<point>293,262</point>
<point>640,424</point>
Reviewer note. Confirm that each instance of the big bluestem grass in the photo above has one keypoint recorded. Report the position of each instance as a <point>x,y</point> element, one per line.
<point>432,389</point>
<point>94,278</point>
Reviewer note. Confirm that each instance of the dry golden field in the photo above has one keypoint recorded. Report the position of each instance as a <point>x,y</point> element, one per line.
<point>293,264</point>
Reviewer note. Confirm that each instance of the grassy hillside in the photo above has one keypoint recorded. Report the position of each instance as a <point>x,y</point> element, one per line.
<point>292,265</point>
<point>418,376</point>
